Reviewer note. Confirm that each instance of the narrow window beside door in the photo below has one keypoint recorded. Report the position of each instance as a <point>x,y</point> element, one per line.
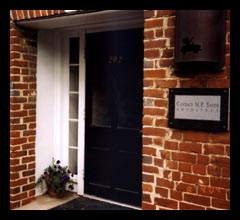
<point>73,103</point>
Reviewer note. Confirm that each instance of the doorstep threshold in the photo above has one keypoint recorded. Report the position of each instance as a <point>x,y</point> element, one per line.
<point>111,202</point>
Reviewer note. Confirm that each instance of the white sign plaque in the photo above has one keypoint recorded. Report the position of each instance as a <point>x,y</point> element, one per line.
<point>197,107</point>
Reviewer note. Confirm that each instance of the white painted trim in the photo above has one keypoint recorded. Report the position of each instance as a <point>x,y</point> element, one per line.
<point>81,114</point>
<point>83,20</point>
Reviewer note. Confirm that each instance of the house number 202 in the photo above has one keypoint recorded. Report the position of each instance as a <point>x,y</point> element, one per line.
<point>115,59</point>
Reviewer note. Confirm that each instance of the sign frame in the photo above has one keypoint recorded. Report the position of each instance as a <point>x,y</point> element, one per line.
<point>197,124</point>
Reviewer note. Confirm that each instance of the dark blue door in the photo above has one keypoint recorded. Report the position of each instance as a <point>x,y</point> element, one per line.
<point>114,77</point>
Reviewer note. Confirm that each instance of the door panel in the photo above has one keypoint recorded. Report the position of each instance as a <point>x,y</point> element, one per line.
<point>114,75</point>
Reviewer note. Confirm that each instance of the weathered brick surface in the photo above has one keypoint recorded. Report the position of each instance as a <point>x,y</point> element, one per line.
<point>195,165</point>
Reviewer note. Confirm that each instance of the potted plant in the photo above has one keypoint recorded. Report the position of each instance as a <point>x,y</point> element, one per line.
<point>56,178</point>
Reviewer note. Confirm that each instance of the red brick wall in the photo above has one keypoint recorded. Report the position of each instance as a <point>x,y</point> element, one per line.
<point>181,169</point>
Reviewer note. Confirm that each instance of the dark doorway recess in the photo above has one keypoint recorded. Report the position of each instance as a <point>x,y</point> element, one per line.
<point>114,79</point>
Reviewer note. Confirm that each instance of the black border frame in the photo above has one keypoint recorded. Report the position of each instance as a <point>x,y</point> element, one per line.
<point>204,125</point>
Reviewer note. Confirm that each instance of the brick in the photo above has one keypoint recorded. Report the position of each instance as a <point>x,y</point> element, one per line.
<point>18,197</point>
<point>15,106</point>
<point>17,141</point>
<point>18,182</point>
<point>185,167</point>
<point>29,106</point>
<point>176,134</point>
<point>14,134</point>
<point>165,154</point>
<point>220,182</point>
<point>17,154</point>
<point>148,64</point>
<point>154,131</point>
<point>195,136</point>
<point>28,173</point>
<point>184,157</point>
<point>213,149</point>
<point>161,122</point>
<point>172,145</point>
<point>31,139</point>
<point>32,192</point>
<point>171,22</point>
<point>28,159</point>
<point>171,165</point>
<point>14,161</point>
<point>29,119</point>
<point>200,200</point>
<point>18,127</point>
<point>162,13</point>
<point>14,205</point>
<point>28,146</point>
<point>146,160</point>
<point>29,133</point>
<point>18,168</point>
<point>158,162</point>
<point>27,201</point>
<point>220,83</point>
<point>14,190</point>
<point>214,170</point>
<point>146,206</point>
<point>223,138</point>
<point>169,203</point>
<point>176,176</point>
<point>28,187</point>
<point>219,203</point>
<point>155,44</point>
<point>193,83</point>
<point>153,23</point>
<point>165,183</point>
<point>188,178</point>
<point>18,113</point>
<point>149,151</point>
<point>147,178</point>
<point>154,111</point>
<point>14,176</point>
<point>146,141</point>
<point>227,148</point>
<point>201,159</point>
<point>163,192</point>
<point>158,141</point>
<point>18,99</point>
<point>226,172</point>
<point>147,187</point>
<point>212,191</point>
<point>187,206</point>
<point>161,103</point>
<point>167,53</point>
<point>199,169</point>
<point>154,73</point>
<point>150,169</point>
<point>170,32</point>
<point>148,34</point>
<point>18,63</point>
<point>167,174</point>
<point>166,62</point>
<point>183,187</point>
<point>152,53</point>
<point>32,126</point>
<point>147,120</point>
<point>14,55</point>
<point>31,166</point>
<point>159,33</point>
<point>20,85</point>
<point>175,195</point>
<point>149,14</point>
<point>32,112</point>
<point>166,83</point>
<point>146,198</point>
<point>220,161</point>
<point>190,147</point>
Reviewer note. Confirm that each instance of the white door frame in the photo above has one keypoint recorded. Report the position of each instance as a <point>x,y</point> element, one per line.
<point>126,20</point>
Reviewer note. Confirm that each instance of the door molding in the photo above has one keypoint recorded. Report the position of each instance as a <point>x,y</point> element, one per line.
<point>110,20</point>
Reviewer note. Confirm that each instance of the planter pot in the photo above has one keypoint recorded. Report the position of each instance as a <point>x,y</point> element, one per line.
<point>53,194</point>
